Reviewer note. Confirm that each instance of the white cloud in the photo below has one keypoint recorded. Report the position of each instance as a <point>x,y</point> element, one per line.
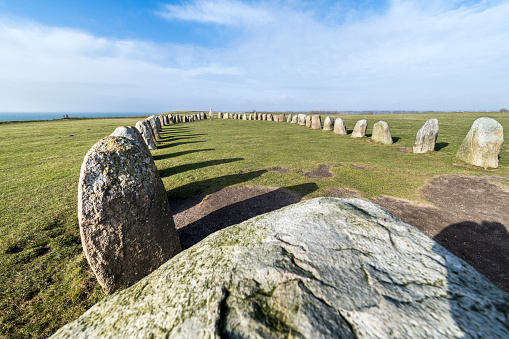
<point>281,56</point>
<point>222,12</point>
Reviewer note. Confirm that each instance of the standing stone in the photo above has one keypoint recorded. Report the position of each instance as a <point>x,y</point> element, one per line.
<point>225,116</point>
<point>381,133</point>
<point>308,121</point>
<point>295,119</point>
<point>269,117</point>
<point>126,226</point>
<point>289,118</point>
<point>264,116</point>
<point>219,115</point>
<point>144,130</point>
<point>339,127</point>
<point>281,118</point>
<point>359,130</point>
<point>321,268</point>
<point>302,119</point>
<point>153,127</point>
<point>316,122</point>
<point>244,116</point>
<point>482,144</point>
<point>426,138</point>
<point>203,116</point>
<point>328,124</point>
<point>255,116</point>
<point>132,133</point>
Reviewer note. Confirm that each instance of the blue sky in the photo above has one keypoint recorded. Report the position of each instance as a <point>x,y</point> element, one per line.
<point>150,56</point>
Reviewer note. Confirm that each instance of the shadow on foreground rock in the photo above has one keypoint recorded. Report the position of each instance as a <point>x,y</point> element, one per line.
<point>484,246</point>
<point>238,212</point>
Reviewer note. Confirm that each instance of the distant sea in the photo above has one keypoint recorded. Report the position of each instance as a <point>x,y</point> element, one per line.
<point>19,116</point>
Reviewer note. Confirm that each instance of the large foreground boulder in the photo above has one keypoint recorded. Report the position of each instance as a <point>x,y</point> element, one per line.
<point>426,137</point>
<point>382,133</point>
<point>126,226</point>
<point>322,268</point>
<point>482,144</point>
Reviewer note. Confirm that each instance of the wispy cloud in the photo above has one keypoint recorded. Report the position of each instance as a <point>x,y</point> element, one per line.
<point>222,12</point>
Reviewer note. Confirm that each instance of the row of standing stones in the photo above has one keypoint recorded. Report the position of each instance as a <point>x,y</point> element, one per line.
<point>325,267</point>
<point>481,146</point>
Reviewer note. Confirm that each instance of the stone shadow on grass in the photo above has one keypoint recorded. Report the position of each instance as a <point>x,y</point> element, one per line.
<point>240,211</point>
<point>177,144</point>
<point>177,154</point>
<point>440,145</point>
<point>484,246</point>
<point>188,167</point>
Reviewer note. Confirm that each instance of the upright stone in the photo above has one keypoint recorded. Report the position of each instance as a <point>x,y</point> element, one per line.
<point>264,116</point>
<point>308,121</point>
<point>144,130</point>
<point>250,117</point>
<point>132,133</point>
<point>225,116</point>
<point>126,226</point>
<point>359,130</point>
<point>316,122</point>
<point>426,138</point>
<point>482,144</point>
<point>302,119</point>
<point>381,133</point>
<point>269,117</point>
<point>211,114</point>
<point>321,268</point>
<point>219,115</point>
<point>328,124</point>
<point>153,127</point>
<point>281,118</point>
<point>244,116</point>
<point>203,116</point>
<point>339,127</point>
<point>289,118</point>
<point>295,119</point>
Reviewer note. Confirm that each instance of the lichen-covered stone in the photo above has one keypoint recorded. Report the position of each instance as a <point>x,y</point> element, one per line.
<point>482,144</point>
<point>132,133</point>
<point>359,130</point>
<point>308,121</point>
<point>146,134</point>
<point>281,118</point>
<point>339,127</point>
<point>322,268</point>
<point>126,226</point>
<point>154,125</point>
<point>301,119</point>
<point>426,137</point>
<point>382,133</point>
<point>328,124</point>
<point>316,122</point>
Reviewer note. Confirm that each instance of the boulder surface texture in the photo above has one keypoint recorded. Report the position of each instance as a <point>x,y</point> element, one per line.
<point>131,133</point>
<point>482,144</point>
<point>359,130</point>
<point>339,127</point>
<point>328,124</point>
<point>322,268</point>
<point>316,122</point>
<point>382,133</point>
<point>145,132</point>
<point>126,226</point>
<point>426,137</point>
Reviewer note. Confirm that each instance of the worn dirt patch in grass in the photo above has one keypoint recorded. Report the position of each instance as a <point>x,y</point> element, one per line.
<point>404,149</point>
<point>323,171</point>
<point>279,169</point>
<point>198,216</point>
<point>467,215</point>
<point>338,192</point>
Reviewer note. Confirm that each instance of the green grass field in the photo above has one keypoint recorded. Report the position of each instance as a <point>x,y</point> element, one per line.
<point>45,281</point>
